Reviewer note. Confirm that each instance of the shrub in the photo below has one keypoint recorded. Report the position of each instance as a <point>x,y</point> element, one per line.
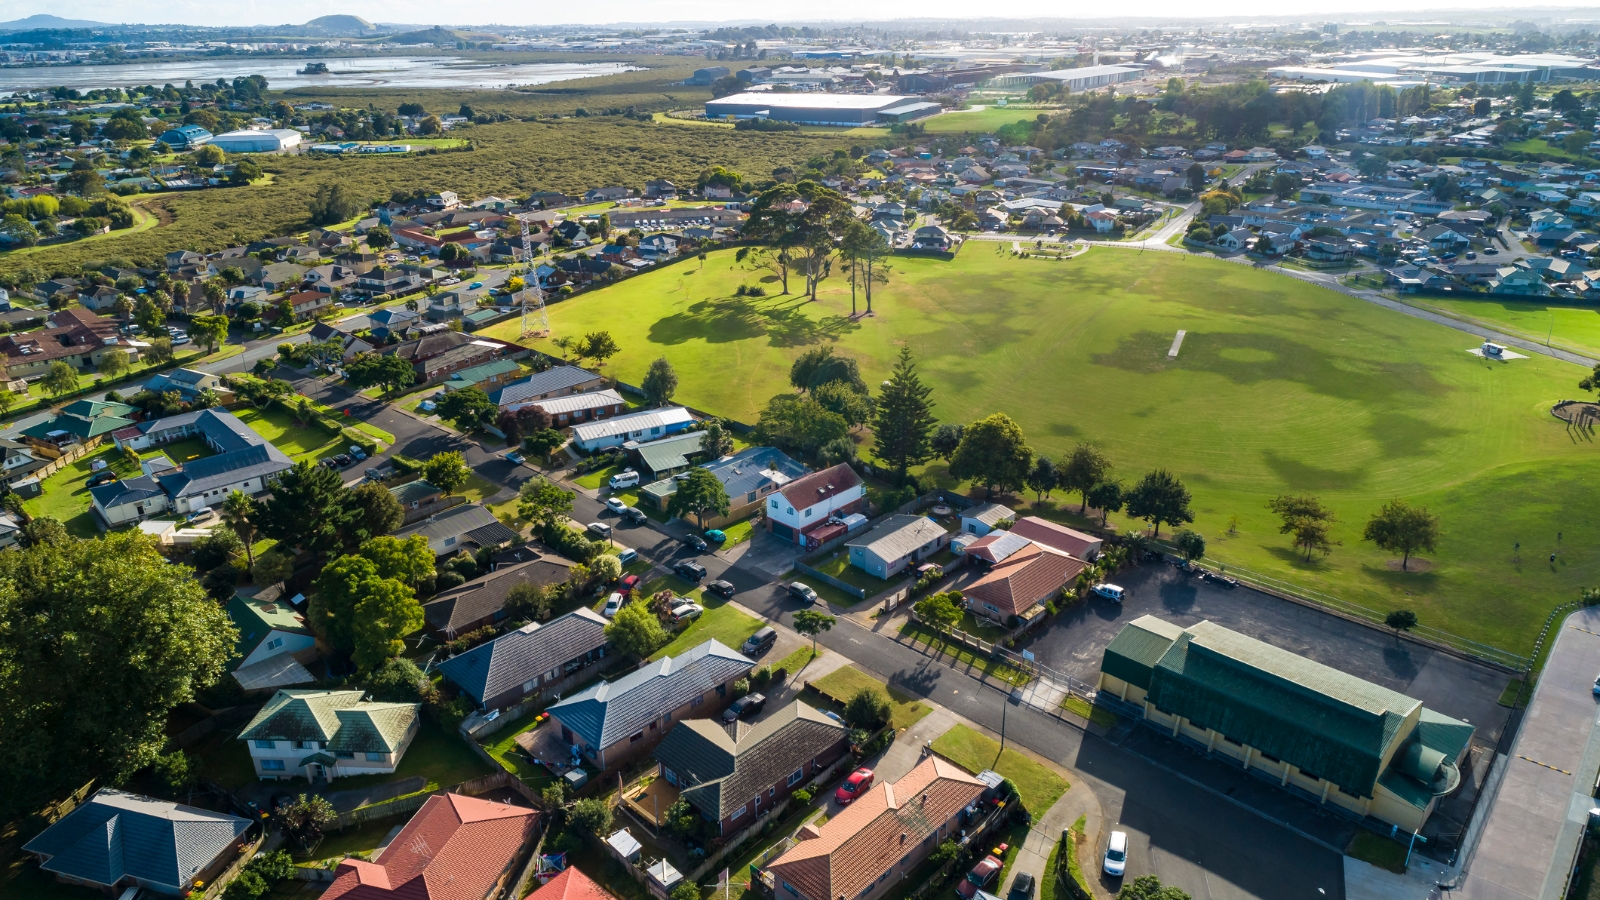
<point>761,677</point>
<point>741,687</point>
<point>802,796</point>
<point>868,709</point>
<point>396,681</point>
<point>590,816</point>
<point>248,886</point>
<point>448,579</point>
<point>405,464</point>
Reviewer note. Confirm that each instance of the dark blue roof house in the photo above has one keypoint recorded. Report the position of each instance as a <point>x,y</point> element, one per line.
<point>117,840</point>
<point>185,137</point>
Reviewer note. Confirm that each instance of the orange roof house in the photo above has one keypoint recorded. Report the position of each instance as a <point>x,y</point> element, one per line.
<point>571,884</point>
<point>879,839</point>
<point>1051,534</point>
<point>1021,583</point>
<point>454,848</point>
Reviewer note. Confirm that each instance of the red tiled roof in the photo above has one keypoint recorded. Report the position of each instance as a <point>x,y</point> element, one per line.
<point>571,884</point>
<point>819,486</point>
<point>888,822</point>
<point>454,848</point>
<point>1067,540</point>
<point>1029,576</point>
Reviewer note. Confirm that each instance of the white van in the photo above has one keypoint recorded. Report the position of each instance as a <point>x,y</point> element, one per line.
<point>625,479</point>
<point>1110,592</point>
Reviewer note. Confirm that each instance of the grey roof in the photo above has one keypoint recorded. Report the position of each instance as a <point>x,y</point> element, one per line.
<point>339,719</point>
<point>607,713</point>
<point>502,664</point>
<point>720,767</point>
<point>898,536</point>
<point>482,597</point>
<point>989,513</point>
<point>241,452</point>
<point>126,491</point>
<point>669,452</point>
<point>754,468</point>
<point>449,530</point>
<point>537,385</point>
<point>116,835</point>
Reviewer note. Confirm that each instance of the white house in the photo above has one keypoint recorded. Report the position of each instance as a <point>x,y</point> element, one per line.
<point>274,641</point>
<point>898,542</point>
<point>640,426</point>
<point>980,520</point>
<point>808,510</point>
<point>242,461</point>
<point>323,735</point>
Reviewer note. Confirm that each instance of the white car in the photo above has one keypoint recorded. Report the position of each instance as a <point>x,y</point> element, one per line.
<point>615,505</point>
<point>683,612</point>
<point>599,529</point>
<point>614,605</point>
<point>1116,858</point>
<point>1110,591</point>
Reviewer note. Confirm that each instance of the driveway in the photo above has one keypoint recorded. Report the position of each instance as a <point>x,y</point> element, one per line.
<point>1470,691</point>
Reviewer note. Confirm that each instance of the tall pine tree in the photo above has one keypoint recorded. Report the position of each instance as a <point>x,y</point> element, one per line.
<point>904,423</point>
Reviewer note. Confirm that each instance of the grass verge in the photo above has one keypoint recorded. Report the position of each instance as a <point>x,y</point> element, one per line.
<point>1083,709</point>
<point>724,623</point>
<point>1377,851</point>
<point>796,662</point>
<point>842,684</point>
<point>1038,786</point>
<point>1076,837</point>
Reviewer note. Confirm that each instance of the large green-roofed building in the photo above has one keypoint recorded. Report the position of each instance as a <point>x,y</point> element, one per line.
<point>1347,741</point>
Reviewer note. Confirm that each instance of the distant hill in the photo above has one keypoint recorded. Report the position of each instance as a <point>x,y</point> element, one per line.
<point>43,21</point>
<point>341,25</point>
<point>438,35</point>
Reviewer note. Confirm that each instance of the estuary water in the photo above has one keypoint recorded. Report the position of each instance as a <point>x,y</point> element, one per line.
<point>282,74</point>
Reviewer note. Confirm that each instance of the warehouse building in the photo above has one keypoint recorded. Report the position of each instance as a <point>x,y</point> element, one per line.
<point>1336,739</point>
<point>185,137</point>
<point>1082,79</point>
<point>258,140</point>
<point>820,109</point>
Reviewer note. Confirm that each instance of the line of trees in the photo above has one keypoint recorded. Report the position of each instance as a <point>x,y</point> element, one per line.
<point>1396,527</point>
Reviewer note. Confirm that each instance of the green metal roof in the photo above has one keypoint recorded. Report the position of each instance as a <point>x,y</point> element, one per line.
<point>1136,649</point>
<point>480,374</point>
<point>82,426</point>
<point>338,718</point>
<point>1324,721</point>
<point>670,453</point>
<point>256,618</point>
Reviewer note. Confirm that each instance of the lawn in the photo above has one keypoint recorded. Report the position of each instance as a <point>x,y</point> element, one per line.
<point>298,441</point>
<point>796,662</point>
<point>182,451</point>
<point>1571,326</point>
<point>65,494</point>
<point>502,746</point>
<point>337,845</point>
<point>1038,786</point>
<point>838,565</point>
<point>979,121</point>
<point>442,759</point>
<point>842,684</point>
<point>916,631</point>
<point>593,480</point>
<point>1281,387</point>
<point>724,623</point>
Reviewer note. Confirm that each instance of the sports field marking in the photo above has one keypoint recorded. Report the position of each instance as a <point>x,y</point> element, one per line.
<point>1176,343</point>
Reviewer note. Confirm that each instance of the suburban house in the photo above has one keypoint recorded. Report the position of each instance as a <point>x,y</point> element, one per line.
<point>575,408</point>
<point>454,848</point>
<point>666,456</point>
<point>17,461</point>
<point>81,422</point>
<point>116,841</point>
<point>189,383</point>
<point>531,661</point>
<point>748,477</point>
<point>559,381</point>
<point>571,884</point>
<point>878,840</point>
<point>640,426</point>
<point>1021,584</point>
<point>10,531</point>
<point>420,500</point>
<point>1323,734</point>
<point>322,735</point>
<point>306,303</point>
<point>242,460</point>
<point>274,641</point>
<point>486,377</point>
<point>622,720</point>
<point>353,346</point>
<point>436,356</point>
<point>806,509</point>
<point>74,336</point>
<point>281,276</point>
<point>897,542</point>
<point>982,519</point>
<point>732,774</point>
<point>481,601</point>
<point>468,525</point>
<point>1059,537</point>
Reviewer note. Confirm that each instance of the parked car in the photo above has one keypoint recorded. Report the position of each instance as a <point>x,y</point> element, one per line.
<point>475,285</point>
<point>1022,887</point>
<point>744,707</point>
<point>981,874</point>
<point>627,555</point>
<point>200,517</point>
<point>1116,859</point>
<point>100,478</point>
<point>720,588</point>
<point>634,515</point>
<point>614,605</point>
<point>697,542</point>
<point>760,642</point>
<point>615,505</point>
<point>599,529</point>
<point>515,457</point>
<point>628,584</point>
<point>625,479</point>
<point>858,782</point>
<point>1110,591</point>
<point>685,612</point>
<point>1491,251</point>
<point>343,459</point>
<point>689,570</point>
<point>357,452</point>
<point>716,536</point>
<point>181,339</point>
<point>804,593</point>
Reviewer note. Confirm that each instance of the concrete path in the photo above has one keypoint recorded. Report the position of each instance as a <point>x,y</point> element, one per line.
<point>1364,881</point>
<point>1047,832</point>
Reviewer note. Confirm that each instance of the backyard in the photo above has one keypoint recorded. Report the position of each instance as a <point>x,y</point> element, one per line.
<point>1304,390</point>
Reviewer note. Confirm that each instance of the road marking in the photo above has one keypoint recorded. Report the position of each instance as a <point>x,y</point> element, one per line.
<point>1176,343</point>
<point>1584,630</point>
<point>1546,765</point>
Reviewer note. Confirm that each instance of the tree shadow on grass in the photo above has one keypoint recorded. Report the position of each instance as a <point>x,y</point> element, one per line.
<point>731,319</point>
<point>1404,582</point>
<point>1297,558</point>
<point>1308,477</point>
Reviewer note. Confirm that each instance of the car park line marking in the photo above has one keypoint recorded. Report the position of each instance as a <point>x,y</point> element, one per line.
<point>1547,765</point>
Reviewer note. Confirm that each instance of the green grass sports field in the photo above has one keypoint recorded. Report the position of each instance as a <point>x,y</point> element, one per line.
<point>1280,386</point>
<point>1565,325</point>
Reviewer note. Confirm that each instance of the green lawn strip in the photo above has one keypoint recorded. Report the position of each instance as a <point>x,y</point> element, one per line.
<point>374,431</point>
<point>839,567</point>
<point>1075,868</point>
<point>1573,325</point>
<point>337,845</point>
<point>1052,872</point>
<point>842,684</point>
<point>738,532</point>
<point>1508,697</point>
<point>1038,786</point>
<point>441,759</point>
<point>185,450</point>
<point>502,745</point>
<point>796,662</point>
<point>724,623</point>
<point>917,631</point>
<point>296,440</point>
<point>593,480</point>
<point>1378,851</point>
<point>1097,715</point>
<point>478,488</point>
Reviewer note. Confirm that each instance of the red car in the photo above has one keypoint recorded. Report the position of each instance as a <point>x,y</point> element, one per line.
<point>627,584</point>
<point>981,874</point>
<point>854,786</point>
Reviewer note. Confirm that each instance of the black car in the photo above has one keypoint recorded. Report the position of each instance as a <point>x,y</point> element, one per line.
<point>100,478</point>
<point>1021,888</point>
<point>689,570</point>
<point>744,707</point>
<point>720,588</point>
<point>696,542</point>
<point>634,515</point>
<point>342,460</point>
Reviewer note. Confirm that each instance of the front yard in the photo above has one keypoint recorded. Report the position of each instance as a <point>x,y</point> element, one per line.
<point>725,623</point>
<point>838,566</point>
<point>65,494</point>
<point>298,441</point>
<point>1039,786</point>
<point>842,684</point>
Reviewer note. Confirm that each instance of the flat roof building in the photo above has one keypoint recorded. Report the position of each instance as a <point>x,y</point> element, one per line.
<point>1081,79</point>
<point>258,141</point>
<point>1336,739</point>
<point>809,108</point>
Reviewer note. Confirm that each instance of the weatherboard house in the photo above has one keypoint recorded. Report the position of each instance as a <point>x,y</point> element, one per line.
<point>242,460</point>
<point>1331,737</point>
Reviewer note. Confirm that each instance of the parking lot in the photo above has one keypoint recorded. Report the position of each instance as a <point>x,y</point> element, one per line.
<point>1075,642</point>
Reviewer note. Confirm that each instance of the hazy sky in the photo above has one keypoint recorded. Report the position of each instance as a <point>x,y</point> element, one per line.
<point>275,12</point>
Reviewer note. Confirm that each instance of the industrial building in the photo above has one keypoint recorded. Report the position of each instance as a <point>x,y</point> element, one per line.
<point>258,140</point>
<point>1409,69</point>
<point>1336,739</point>
<point>821,109</point>
<point>185,137</point>
<point>1081,79</point>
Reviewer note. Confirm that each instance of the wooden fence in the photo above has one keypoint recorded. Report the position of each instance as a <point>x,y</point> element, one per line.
<point>501,780</point>
<point>220,883</point>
